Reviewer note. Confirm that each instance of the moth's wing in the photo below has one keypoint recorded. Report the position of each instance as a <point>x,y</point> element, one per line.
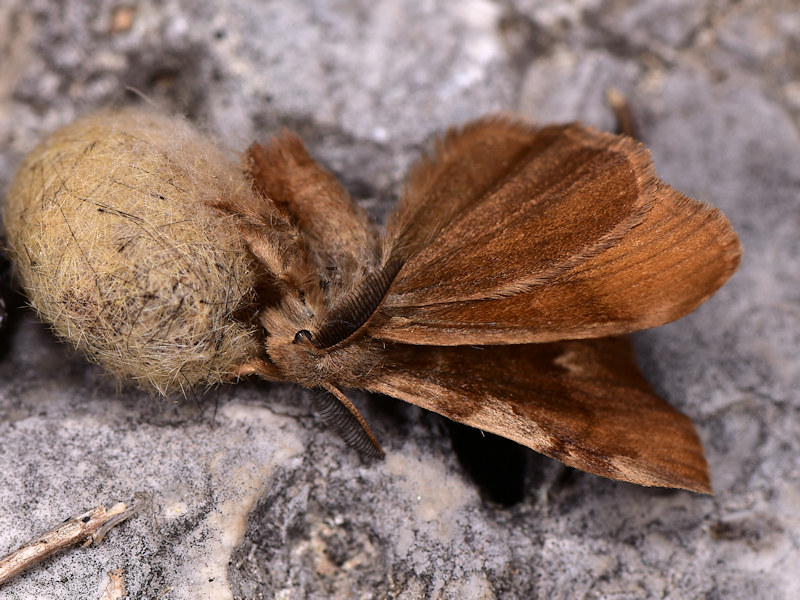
<point>465,167</point>
<point>299,221</point>
<point>337,231</point>
<point>512,234</point>
<point>583,402</point>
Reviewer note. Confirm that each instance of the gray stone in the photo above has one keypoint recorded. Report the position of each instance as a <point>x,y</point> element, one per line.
<point>252,496</point>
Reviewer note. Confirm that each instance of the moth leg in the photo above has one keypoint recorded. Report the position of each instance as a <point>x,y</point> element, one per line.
<point>262,368</point>
<point>619,104</point>
<point>341,415</point>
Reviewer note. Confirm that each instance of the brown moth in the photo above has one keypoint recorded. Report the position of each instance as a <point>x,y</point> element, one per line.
<point>516,257</point>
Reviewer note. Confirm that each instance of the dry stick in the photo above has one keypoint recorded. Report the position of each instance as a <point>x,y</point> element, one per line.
<point>622,111</point>
<point>85,529</point>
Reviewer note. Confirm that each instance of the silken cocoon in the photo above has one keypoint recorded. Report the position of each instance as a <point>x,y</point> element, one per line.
<point>118,248</point>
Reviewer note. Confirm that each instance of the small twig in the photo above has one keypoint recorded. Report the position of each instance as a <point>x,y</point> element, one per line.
<point>622,111</point>
<point>145,504</point>
<point>86,529</point>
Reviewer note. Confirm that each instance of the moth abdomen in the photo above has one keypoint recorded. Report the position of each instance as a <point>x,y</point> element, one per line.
<point>357,307</point>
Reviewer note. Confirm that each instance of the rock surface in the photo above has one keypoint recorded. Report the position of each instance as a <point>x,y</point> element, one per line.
<point>253,498</point>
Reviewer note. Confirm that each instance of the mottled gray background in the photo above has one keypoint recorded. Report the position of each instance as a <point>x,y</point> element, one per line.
<point>254,498</point>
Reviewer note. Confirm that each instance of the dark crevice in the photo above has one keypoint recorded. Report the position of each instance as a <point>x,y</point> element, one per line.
<point>11,304</point>
<point>176,77</point>
<point>496,464</point>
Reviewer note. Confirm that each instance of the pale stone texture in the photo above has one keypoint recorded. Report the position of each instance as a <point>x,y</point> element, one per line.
<point>253,497</point>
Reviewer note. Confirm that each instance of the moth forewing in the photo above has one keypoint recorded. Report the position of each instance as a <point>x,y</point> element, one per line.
<point>580,239</point>
<point>466,164</point>
<point>341,242</point>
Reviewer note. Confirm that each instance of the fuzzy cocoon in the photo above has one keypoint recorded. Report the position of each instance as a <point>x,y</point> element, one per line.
<point>110,225</point>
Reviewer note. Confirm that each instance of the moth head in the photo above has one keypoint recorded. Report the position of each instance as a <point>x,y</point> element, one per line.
<point>301,342</point>
<point>290,327</point>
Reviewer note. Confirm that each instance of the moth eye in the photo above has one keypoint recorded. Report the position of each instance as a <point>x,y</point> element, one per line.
<point>304,335</point>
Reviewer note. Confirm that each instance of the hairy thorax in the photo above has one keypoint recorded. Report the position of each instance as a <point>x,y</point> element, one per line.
<point>292,346</point>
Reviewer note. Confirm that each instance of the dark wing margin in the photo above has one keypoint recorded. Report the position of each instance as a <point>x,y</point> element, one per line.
<point>583,402</point>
